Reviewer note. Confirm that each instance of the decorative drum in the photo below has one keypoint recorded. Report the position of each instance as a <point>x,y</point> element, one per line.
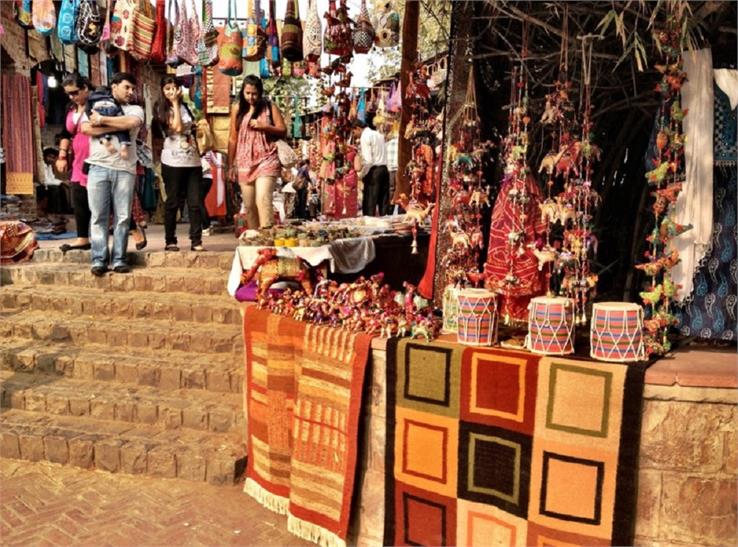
<point>450,309</point>
<point>616,332</point>
<point>477,322</point>
<point>550,325</point>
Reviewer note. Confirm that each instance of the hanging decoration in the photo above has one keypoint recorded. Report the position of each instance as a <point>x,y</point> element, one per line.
<point>666,179</point>
<point>512,267</point>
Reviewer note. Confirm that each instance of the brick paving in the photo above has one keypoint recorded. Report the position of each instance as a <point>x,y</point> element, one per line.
<point>46,504</point>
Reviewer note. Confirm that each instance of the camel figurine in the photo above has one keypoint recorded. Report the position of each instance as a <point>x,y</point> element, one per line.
<point>269,268</point>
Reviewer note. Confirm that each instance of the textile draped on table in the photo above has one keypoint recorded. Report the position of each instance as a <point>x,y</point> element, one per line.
<point>694,203</point>
<point>486,444</point>
<point>17,242</point>
<point>304,391</point>
<point>711,309</point>
<point>18,143</point>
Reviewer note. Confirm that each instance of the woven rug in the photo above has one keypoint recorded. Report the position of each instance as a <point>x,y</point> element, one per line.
<point>498,447</point>
<point>304,391</point>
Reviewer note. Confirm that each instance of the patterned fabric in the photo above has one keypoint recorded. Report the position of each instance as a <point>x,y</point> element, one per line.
<point>711,311</point>
<point>17,242</point>
<point>18,144</point>
<point>496,447</point>
<point>256,155</point>
<point>304,393</point>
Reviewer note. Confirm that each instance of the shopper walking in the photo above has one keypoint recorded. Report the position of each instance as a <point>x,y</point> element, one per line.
<point>111,178</point>
<point>256,125</point>
<point>374,171</point>
<point>181,167</point>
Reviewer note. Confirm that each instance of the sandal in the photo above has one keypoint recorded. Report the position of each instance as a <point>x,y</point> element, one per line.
<point>198,247</point>
<point>171,247</point>
<point>139,236</point>
<point>67,247</point>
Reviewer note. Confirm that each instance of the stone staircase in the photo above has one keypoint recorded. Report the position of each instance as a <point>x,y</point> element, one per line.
<point>137,373</point>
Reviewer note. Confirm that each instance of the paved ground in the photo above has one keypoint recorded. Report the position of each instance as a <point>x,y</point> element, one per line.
<point>45,504</point>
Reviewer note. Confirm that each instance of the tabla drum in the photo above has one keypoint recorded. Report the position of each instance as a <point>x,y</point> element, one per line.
<point>616,332</point>
<point>550,325</point>
<point>477,319</point>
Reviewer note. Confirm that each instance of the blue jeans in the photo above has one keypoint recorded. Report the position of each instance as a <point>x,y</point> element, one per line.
<point>103,186</point>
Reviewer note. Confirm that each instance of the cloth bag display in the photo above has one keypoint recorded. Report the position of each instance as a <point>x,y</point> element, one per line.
<point>43,15</point>
<point>186,43</point>
<point>230,62</point>
<point>174,35</point>
<point>159,47</point>
<point>312,45</point>
<point>88,25</point>
<point>207,45</point>
<point>273,53</point>
<point>65,27</point>
<point>144,27</point>
<point>387,27</point>
<point>363,31</point>
<point>292,33</point>
<point>254,46</point>
<point>122,24</point>
<point>23,14</point>
<point>337,39</point>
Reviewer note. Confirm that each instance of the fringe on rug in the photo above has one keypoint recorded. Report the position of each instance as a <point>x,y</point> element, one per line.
<point>312,532</point>
<point>275,503</point>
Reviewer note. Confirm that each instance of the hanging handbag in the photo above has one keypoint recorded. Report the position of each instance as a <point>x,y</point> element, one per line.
<point>254,46</point>
<point>287,156</point>
<point>273,37</point>
<point>88,25</point>
<point>144,27</point>
<point>122,24</point>
<point>43,15</point>
<point>337,39</point>
<point>230,62</point>
<point>292,33</point>
<point>65,27</point>
<point>204,136</point>
<point>387,27</point>
<point>363,31</point>
<point>106,36</point>
<point>174,35</point>
<point>184,48</point>
<point>312,45</point>
<point>23,13</point>
<point>159,47</point>
<point>207,46</point>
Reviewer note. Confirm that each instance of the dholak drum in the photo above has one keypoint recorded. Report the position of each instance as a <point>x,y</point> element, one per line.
<point>616,332</point>
<point>477,320</point>
<point>550,325</point>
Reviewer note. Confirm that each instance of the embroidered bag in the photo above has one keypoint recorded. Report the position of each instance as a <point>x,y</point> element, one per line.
<point>230,62</point>
<point>273,37</point>
<point>159,48</point>
<point>255,44</point>
<point>292,33</point>
<point>337,39</point>
<point>23,13</point>
<point>387,27</point>
<point>43,14</point>
<point>207,51</point>
<point>312,36</point>
<point>88,23</point>
<point>65,27</point>
<point>364,31</point>
<point>122,24</point>
<point>174,35</point>
<point>144,27</point>
<point>189,34</point>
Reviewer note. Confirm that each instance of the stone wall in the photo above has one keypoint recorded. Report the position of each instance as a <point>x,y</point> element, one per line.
<point>688,466</point>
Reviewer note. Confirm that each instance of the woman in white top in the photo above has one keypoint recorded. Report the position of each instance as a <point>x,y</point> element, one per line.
<point>181,168</point>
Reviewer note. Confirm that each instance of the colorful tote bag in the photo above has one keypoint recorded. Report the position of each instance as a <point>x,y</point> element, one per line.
<point>65,26</point>
<point>230,62</point>
<point>144,28</point>
<point>186,47</point>
<point>88,25</point>
<point>122,24</point>
<point>159,47</point>
<point>312,36</point>
<point>207,45</point>
<point>364,31</point>
<point>23,13</point>
<point>43,15</point>
<point>174,35</point>
<point>273,53</point>
<point>337,39</point>
<point>292,33</point>
<point>255,44</point>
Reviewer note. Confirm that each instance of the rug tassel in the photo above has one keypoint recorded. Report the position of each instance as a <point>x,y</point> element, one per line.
<point>312,532</point>
<point>278,504</point>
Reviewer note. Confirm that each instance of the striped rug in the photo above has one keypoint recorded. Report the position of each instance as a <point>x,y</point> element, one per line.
<point>304,389</point>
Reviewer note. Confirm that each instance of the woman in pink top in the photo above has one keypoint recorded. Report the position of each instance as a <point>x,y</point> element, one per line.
<point>256,125</point>
<point>78,89</point>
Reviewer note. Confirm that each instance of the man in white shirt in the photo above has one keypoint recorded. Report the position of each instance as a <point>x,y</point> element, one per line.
<point>392,150</point>
<point>374,171</point>
<point>111,177</point>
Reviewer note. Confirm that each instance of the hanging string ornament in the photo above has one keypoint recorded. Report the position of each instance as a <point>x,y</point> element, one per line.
<point>468,194</point>
<point>666,179</point>
<point>512,267</point>
<point>579,245</point>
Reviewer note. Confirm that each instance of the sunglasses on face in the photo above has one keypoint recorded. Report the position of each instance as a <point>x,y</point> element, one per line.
<point>73,93</point>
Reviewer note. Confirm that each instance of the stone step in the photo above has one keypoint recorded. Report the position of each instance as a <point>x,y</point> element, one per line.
<point>153,334</point>
<point>220,261</point>
<point>159,280</point>
<point>162,369</point>
<point>139,449</point>
<point>57,395</point>
<point>84,301</point>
